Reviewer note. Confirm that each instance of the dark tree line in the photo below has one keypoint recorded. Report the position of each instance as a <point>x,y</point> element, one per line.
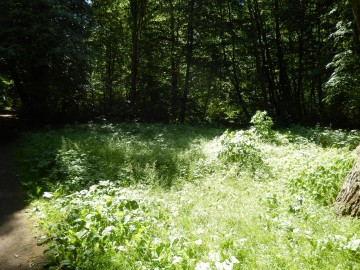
<point>182,60</point>
<point>43,54</point>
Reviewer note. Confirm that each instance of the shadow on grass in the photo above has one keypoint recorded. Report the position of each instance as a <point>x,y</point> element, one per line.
<point>323,136</point>
<point>74,157</point>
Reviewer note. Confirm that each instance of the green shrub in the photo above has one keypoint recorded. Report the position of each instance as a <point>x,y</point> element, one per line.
<point>240,148</point>
<point>111,227</point>
<point>263,124</point>
<point>322,181</point>
<point>324,136</point>
<point>94,224</point>
<point>327,137</point>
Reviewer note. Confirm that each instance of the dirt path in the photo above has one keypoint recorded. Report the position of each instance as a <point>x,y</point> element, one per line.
<point>18,245</point>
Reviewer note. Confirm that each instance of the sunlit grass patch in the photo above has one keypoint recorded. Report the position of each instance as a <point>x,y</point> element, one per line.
<point>178,197</point>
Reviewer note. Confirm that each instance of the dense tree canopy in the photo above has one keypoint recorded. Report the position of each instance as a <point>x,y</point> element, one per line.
<point>182,60</point>
<point>44,54</point>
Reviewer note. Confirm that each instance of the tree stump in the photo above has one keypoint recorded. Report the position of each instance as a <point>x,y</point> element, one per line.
<point>348,200</point>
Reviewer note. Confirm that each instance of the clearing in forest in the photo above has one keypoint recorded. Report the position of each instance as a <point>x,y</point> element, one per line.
<point>140,196</point>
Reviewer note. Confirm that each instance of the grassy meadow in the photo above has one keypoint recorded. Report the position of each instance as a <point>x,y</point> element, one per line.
<point>153,196</point>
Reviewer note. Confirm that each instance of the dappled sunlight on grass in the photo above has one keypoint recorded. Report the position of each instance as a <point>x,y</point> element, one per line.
<point>79,156</point>
<point>175,200</point>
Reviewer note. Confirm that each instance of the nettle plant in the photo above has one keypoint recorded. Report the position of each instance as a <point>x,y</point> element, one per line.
<point>263,124</point>
<point>327,137</point>
<point>321,180</point>
<point>93,223</point>
<point>111,227</point>
<point>239,147</point>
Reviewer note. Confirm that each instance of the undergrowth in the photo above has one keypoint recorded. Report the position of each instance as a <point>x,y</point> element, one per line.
<point>137,196</point>
<point>78,156</point>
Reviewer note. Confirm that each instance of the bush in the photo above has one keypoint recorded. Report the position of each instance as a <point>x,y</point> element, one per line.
<point>238,147</point>
<point>324,136</point>
<point>322,181</point>
<point>91,224</point>
<point>263,124</point>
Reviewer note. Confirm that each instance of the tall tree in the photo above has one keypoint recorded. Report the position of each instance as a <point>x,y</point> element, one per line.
<point>356,11</point>
<point>189,56</point>
<point>137,13</point>
<point>175,59</point>
<point>109,42</point>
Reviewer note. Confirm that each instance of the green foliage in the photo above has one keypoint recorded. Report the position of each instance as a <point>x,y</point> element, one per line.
<point>321,175</point>
<point>240,148</point>
<point>324,136</point>
<point>110,227</point>
<point>263,124</point>
<point>93,223</point>
<point>8,97</point>
<point>322,180</point>
<point>342,88</point>
<point>50,73</point>
<point>82,155</point>
<point>338,138</point>
<point>212,216</point>
<point>134,59</point>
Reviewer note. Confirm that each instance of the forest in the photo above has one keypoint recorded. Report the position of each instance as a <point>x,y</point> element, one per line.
<point>175,61</point>
<point>182,134</point>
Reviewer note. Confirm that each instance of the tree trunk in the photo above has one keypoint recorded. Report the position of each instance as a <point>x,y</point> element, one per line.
<point>20,86</point>
<point>356,11</point>
<point>267,61</point>
<point>287,102</point>
<point>189,52</point>
<point>134,51</point>
<point>300,98</point>
<point>137,14</point>
<point>109,83</point>
<point>207,99</point>
<point>257,53</point>
<point>348,200</point>
<point>174,34</point>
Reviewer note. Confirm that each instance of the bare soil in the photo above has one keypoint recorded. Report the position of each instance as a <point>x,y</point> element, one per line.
<point>18,242</point>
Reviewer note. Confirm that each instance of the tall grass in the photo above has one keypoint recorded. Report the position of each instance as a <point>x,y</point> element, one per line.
<point>136,196</point>
<point>79,156</point>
